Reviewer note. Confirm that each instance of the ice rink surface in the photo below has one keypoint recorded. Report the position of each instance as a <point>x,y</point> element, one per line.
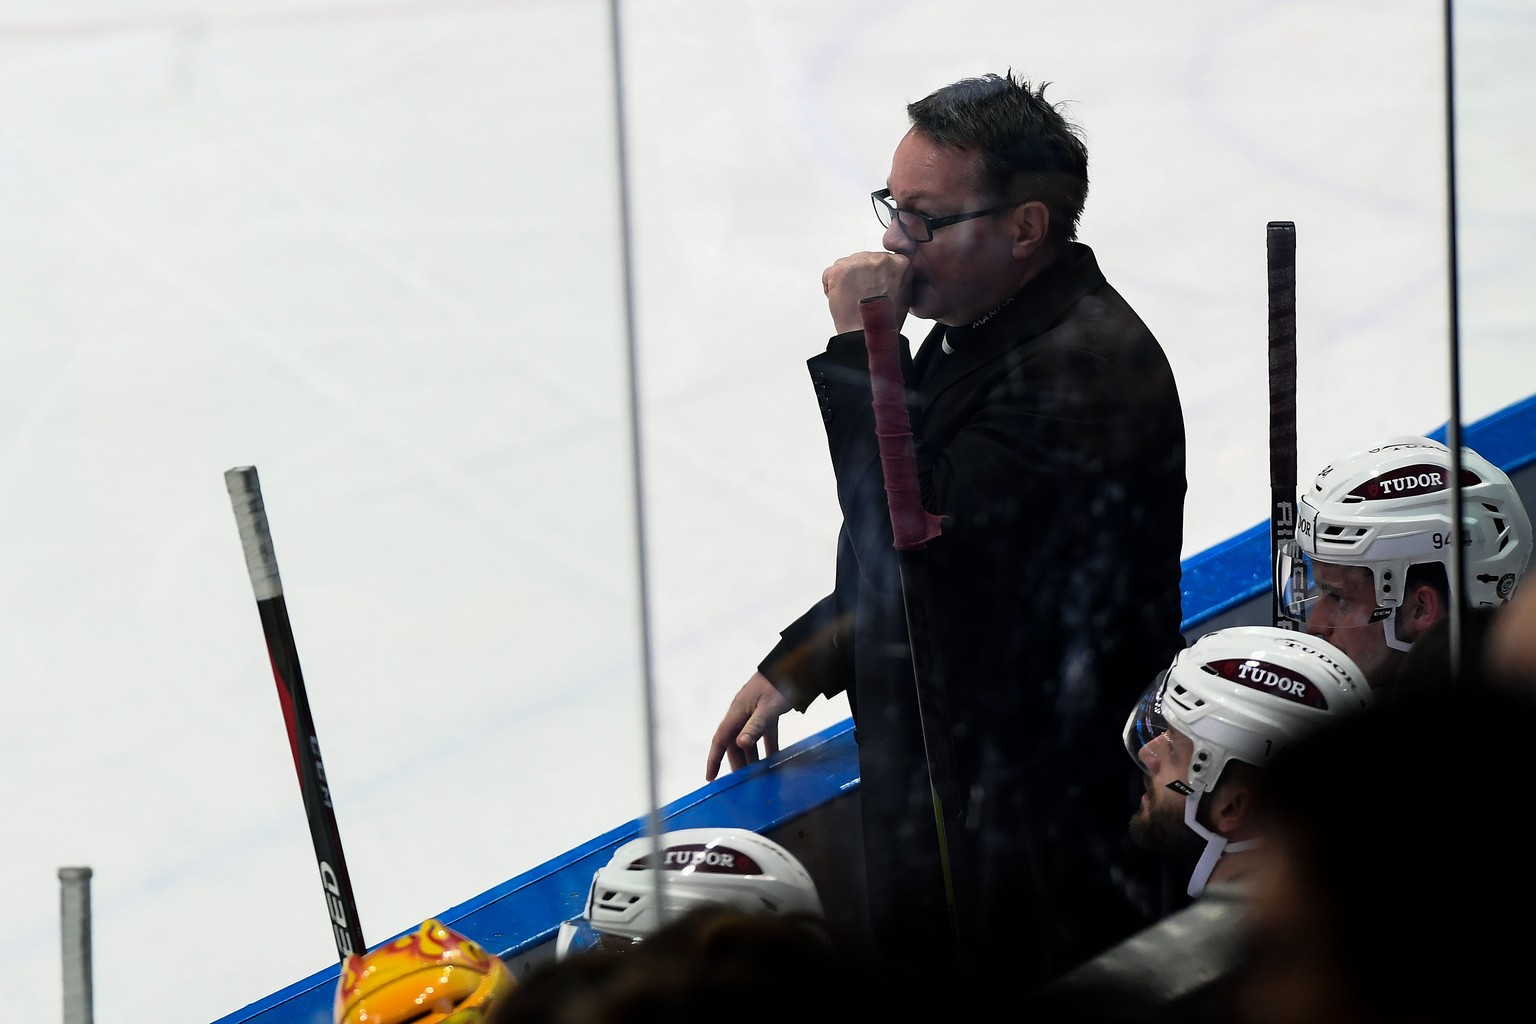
<point>374,248</point>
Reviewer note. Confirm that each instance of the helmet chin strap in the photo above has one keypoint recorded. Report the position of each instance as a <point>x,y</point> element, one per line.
<point>1389,628</point>
<point>1215,846</point>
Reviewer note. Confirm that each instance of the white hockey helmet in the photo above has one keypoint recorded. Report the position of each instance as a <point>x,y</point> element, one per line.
<point>732,867</point>
<point>1389,507</point>
<point>1242,693</point>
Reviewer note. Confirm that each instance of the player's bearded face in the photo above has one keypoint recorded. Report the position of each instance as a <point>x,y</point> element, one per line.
<point>1158,824</point>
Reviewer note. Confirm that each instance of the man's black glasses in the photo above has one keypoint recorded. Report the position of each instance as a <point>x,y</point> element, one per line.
<point>919,226</point>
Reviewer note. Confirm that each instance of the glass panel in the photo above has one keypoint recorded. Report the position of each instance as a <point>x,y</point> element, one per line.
<point>1203,126</point>
<point>1496,246</point>
<point>1496,206</point>
<point>373,250</point>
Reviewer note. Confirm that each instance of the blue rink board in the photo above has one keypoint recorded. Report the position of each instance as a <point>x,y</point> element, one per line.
<point>523,913</point>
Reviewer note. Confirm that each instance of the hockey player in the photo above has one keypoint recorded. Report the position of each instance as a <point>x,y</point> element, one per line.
<point>1370,567</point>
<point>1202,734</point>
<point>1225,705</point>
<point>698,867</point>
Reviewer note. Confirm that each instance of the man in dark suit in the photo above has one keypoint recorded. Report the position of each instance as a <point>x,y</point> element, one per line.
<point>1050,439</point>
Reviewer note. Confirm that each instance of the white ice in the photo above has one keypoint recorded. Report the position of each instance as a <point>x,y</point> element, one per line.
<point>373,248</point>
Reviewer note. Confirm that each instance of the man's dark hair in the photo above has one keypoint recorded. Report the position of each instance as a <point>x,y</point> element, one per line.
<point>1026,148</point>
<point>1429,574</point>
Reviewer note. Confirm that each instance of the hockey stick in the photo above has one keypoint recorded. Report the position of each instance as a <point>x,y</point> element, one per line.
<point>912,528</point>
<point>1280,245</point>
<point>261,561</point>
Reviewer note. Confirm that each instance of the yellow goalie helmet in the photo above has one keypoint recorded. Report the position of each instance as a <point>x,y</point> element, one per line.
<point>433,975</point>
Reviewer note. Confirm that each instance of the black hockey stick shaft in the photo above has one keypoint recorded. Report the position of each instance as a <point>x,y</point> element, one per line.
<point>912,528</point>
<point>261,562</point>
<point>1280,246</point>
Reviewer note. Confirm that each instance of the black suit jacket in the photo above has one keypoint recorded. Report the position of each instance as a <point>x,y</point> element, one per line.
<point>1052,444</point>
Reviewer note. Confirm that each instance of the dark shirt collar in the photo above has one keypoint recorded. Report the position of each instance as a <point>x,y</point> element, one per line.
<point>1037,305</point>
<point>1028,312</point>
